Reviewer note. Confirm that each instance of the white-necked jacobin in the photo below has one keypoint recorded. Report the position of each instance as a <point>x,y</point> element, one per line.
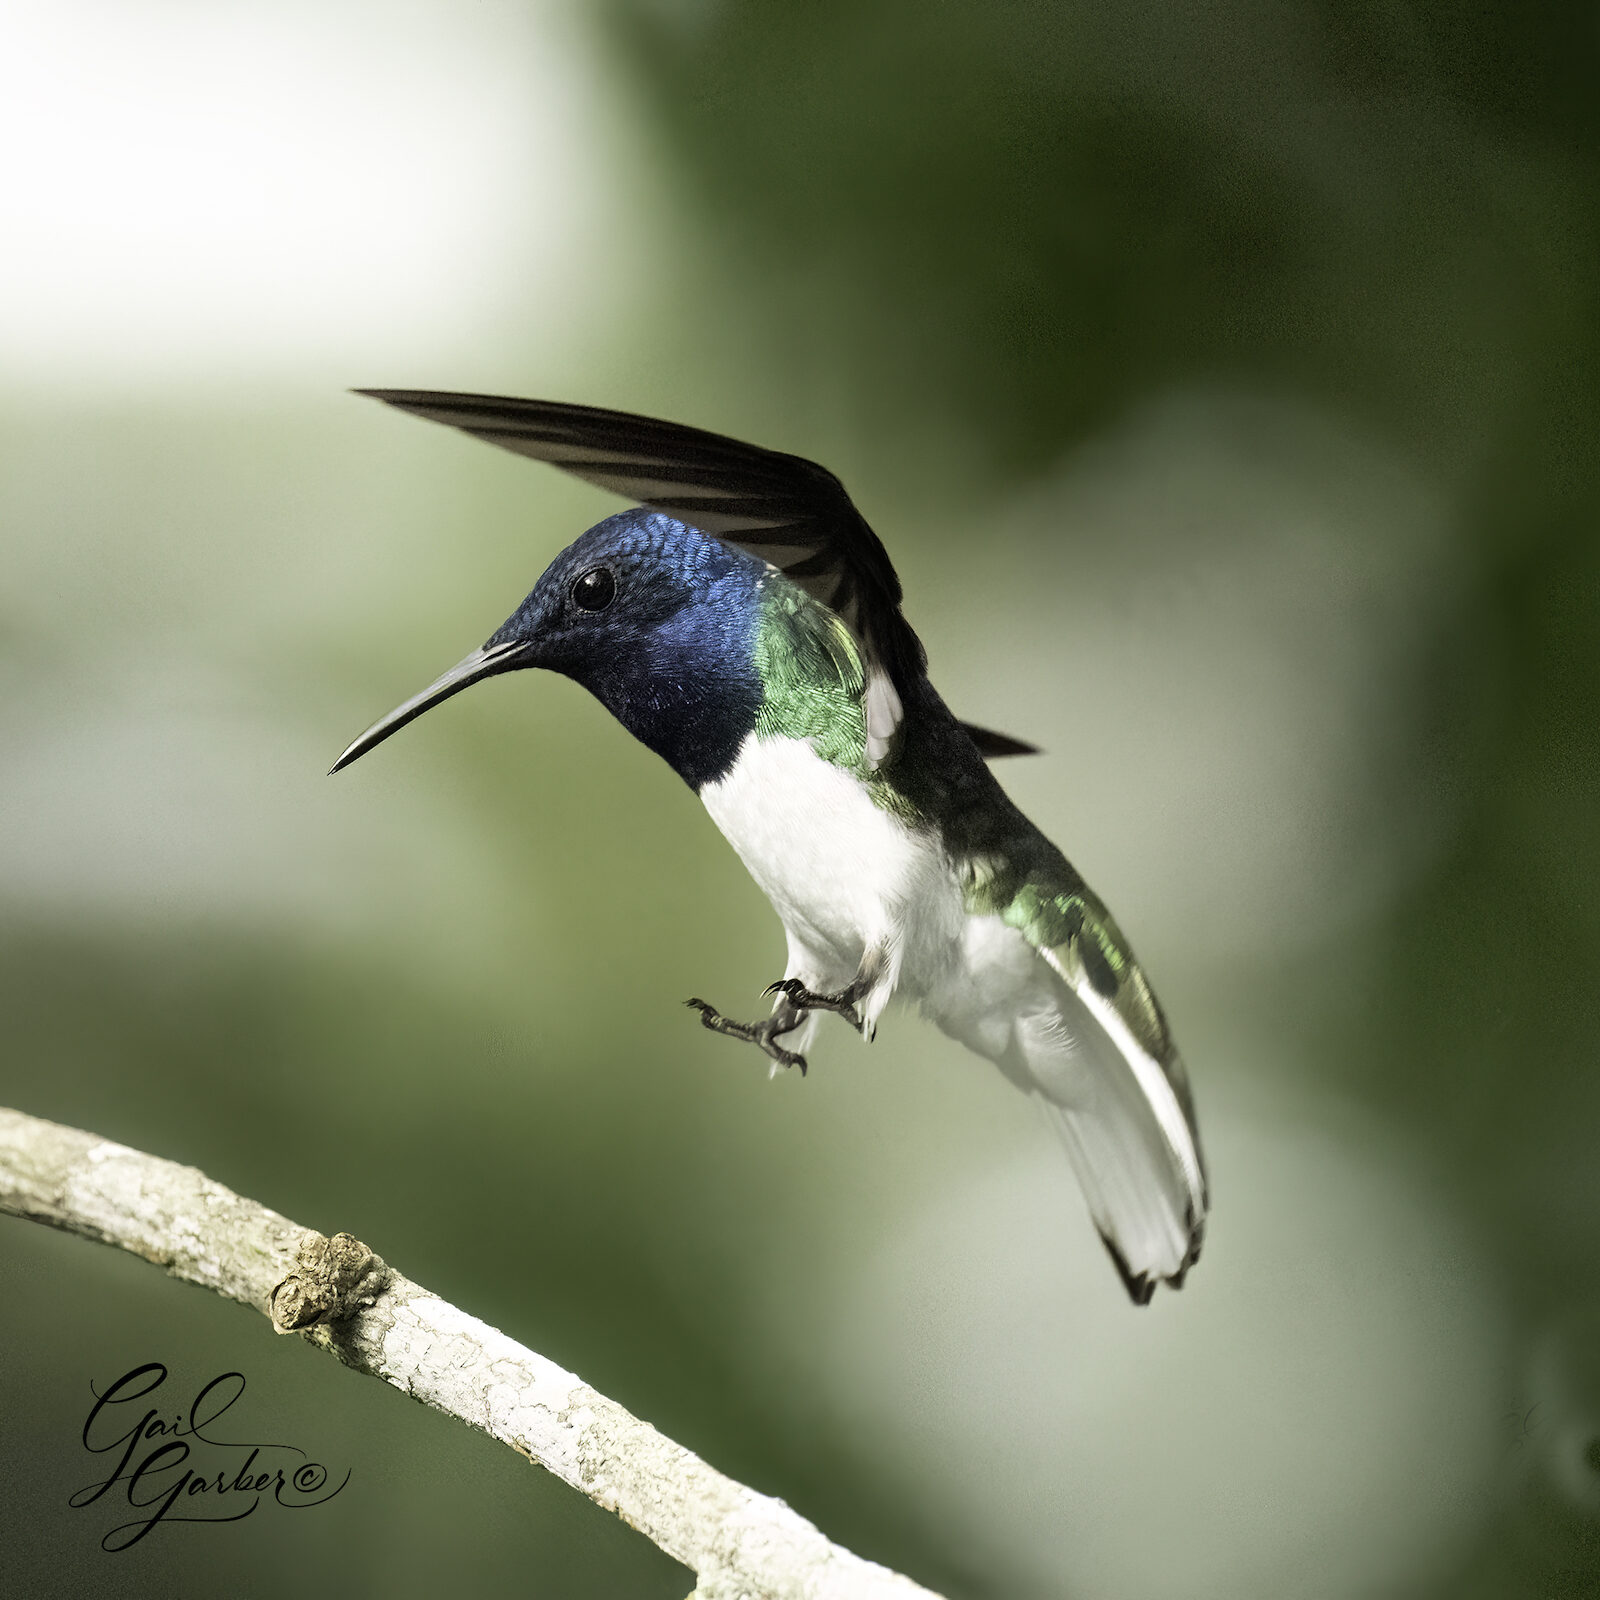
<point>744,622</point>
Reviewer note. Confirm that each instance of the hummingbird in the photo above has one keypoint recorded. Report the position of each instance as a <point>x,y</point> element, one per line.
<point>744,622</point>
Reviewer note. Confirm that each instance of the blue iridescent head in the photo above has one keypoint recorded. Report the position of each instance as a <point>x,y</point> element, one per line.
<point>655,619</point>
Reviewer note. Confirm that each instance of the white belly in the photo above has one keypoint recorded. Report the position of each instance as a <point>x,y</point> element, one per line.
<point>846,876</point>
<point>849,879</point>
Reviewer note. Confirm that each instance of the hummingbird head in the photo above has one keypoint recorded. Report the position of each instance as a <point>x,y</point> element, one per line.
<point>654,618</point>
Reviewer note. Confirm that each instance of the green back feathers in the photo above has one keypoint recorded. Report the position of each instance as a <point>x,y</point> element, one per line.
<point>812,677</point>
<point>814,686</point>
<point>1047,902</point>
<point>1093,945</point>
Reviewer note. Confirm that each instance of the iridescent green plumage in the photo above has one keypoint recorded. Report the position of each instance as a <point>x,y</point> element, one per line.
<point>812,677</point>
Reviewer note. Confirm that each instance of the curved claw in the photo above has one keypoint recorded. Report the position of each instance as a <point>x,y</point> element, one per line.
<point>764,1035</point>
<point>803,999</point>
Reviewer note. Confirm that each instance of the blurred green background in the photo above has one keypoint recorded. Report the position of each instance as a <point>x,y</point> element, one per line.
<point>1224,382</point>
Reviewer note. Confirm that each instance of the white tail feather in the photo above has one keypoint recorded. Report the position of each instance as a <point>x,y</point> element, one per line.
<point>1127,1131</point>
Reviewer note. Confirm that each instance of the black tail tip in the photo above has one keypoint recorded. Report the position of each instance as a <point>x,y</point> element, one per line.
<point>1140,1285</point>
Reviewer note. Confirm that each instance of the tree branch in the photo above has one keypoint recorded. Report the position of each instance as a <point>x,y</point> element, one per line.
<point>345,1300</point>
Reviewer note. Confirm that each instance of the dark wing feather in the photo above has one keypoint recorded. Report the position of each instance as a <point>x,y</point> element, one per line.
<point>992,745</point>
<point>782,508</point>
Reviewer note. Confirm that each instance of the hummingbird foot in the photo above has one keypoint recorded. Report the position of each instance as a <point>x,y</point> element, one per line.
<point>802,999</point>
<point>764,1035</point>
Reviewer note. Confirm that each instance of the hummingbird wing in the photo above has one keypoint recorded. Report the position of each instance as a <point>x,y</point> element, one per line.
<point>1128,1121</point>
<point>781,508</point>
<point>992,745</point>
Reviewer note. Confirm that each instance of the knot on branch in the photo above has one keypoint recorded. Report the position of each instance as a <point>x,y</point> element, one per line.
<point>332,1279</point>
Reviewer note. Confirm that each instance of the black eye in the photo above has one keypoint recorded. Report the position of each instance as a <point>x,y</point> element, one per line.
<point>595,590</point>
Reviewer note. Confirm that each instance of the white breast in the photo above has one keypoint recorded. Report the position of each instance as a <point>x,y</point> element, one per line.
<point>845,875</point>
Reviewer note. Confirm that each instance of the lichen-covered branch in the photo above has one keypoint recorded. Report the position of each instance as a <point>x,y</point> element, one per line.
<point>336,1294</point>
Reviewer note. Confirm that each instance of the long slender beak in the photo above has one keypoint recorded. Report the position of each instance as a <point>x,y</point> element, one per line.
<point>484,663</point>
